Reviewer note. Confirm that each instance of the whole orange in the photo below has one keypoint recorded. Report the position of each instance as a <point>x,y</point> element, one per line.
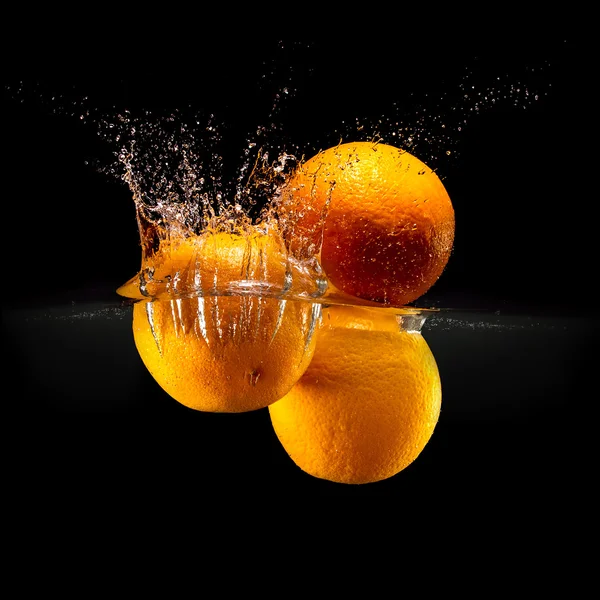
<point>222,353</point>
<point>380,217</point>
<point>367,404</point>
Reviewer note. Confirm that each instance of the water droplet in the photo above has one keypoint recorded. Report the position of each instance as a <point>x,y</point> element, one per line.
<point>253,376</point>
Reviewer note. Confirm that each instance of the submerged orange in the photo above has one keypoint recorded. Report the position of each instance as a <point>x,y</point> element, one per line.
<point>222,353</point>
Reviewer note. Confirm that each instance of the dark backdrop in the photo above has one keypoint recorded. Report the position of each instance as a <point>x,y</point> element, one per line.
<point>514,390</point>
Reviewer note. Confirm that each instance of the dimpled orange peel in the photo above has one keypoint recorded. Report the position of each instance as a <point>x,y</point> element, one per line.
<point>368,403</point>
<point>214,351</point>
<point>381,218</point>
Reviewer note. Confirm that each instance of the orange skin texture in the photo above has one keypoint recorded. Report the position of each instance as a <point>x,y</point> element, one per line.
<point>368,403</point>
<point>382,220</point>
<point>223,353</point>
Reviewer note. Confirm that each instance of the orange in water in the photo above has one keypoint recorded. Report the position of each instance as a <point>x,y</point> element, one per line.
<point>382,219</point>
<point>221,353</point>
<point>367,404</point>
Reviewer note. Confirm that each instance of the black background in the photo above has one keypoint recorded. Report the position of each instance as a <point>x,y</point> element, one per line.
<point>524,247</point>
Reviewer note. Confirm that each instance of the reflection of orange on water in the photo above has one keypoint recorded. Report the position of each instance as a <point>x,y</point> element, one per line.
<point>221,353</point>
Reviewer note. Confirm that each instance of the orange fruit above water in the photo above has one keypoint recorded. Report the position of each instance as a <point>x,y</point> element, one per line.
<point>226,353</point>
<point>367,404</point>
<point>382,219</point>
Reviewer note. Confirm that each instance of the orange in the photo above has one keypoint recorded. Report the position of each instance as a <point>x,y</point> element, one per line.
<point>221,353</point>
<point>367,404</point>
<point>381,218</point>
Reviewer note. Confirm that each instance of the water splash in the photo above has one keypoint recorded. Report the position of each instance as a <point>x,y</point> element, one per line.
<point>315,317</point>
<point>153,328</point>
<point>432,126</point>
<point>282,305</point>
<point>189,170</point>
<point>188,166</point>
<point>200,329</point>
